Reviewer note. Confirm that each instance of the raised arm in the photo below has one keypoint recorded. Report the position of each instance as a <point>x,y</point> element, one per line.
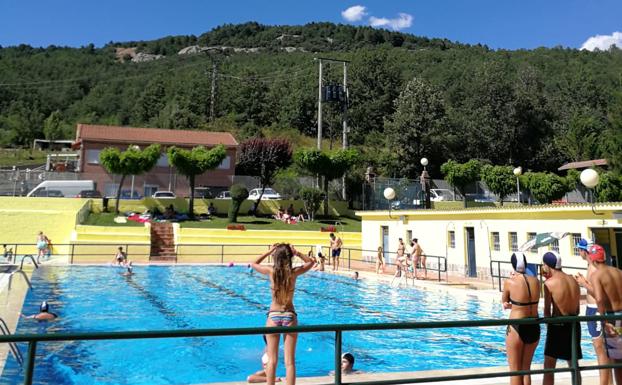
<point>308,262</point>
<point>257,264</point>
<point>583,282</point>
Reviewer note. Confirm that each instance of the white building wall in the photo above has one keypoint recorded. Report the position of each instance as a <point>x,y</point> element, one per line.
<point>432,232</point>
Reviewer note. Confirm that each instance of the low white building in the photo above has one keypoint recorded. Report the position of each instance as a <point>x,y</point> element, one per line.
<point>471,238</point>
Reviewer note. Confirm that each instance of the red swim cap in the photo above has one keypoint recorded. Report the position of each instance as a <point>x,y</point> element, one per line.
<point>596,253</point>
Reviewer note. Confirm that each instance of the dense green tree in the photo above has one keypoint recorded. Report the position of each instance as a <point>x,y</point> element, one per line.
<point>329,165</point>
<point>312,198</point>
<point>263,158</point>
<point>547,187</point>
<point>461,175</point>
<point>239,193</point>
<point>499,179</point>
<point>132,161</point>
<point>418,128</point>
<point>196,161</point>
<point>53,127</point>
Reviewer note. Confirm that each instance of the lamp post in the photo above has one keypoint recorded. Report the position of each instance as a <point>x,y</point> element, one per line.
<point>389,194</point>
<point>517,172</point>
<point>589,178</point>
<point>425,184</point>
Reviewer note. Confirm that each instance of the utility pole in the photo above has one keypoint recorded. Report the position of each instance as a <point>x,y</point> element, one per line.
<point>319,109</point>
<point>213,93</point>
<point>345,123</point>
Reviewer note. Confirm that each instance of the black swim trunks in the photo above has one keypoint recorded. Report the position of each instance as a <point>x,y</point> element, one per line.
<point>559,341</point>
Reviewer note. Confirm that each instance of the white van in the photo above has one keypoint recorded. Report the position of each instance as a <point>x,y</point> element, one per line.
<point>61,188</point>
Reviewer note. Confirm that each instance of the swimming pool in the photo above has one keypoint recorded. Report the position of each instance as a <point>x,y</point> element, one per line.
<point>98,298</point>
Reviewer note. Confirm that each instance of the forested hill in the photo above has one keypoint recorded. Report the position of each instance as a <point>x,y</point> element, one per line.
<point>409,96</point>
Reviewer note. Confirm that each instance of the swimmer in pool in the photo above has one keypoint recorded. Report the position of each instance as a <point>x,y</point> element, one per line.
<point>44,313</point>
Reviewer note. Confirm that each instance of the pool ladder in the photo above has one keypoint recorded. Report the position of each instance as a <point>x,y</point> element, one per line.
<point>12,345</point>
<point>21,271</point>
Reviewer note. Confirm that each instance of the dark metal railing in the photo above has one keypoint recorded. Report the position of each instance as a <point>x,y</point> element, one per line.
<point>496,275</point>
<point>574,367</point>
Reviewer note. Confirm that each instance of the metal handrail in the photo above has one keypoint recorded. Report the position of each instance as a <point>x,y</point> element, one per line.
<point>499,277</point>
<point>4,328</point>
<point>338,329</point>
<point>23,274</point>
<point>21,265</point>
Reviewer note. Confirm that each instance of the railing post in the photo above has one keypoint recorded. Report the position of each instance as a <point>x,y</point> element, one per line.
<point>574,361</point>
<point>438,267</point>
<point>349,267</point>
<point>338,357</point>
<point>73,250</point>
<point>30,363</point>
<point>499,274</point>
<point>222,254</point>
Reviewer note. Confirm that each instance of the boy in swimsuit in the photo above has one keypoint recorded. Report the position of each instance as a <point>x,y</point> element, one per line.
<point>561,298</point>
<point>593,327</point>
<point>606,282</point>
<point>282,283</point>
<point>335,249</point>
<point>121,256</point>
<point>44,313</point>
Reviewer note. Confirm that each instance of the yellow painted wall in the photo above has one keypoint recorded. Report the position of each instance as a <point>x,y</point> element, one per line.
<point>99,244</point>
<point>203,245</point>
<point>22,218</point>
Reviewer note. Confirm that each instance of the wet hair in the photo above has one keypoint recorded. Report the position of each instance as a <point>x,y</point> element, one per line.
<point>282,272</point>
<point>348,357</point>
<point>415,240</point>
<point>332,235</point>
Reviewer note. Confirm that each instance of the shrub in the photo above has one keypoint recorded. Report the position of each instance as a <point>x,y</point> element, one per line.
<point>312,198</point>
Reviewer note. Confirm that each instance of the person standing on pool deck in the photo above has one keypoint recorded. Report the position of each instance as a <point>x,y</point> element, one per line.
<point>42,244</point>
<point>335,250</point>
<point>419,257</point>
<point>607,284</point>
<point>282,282</point>
<point>561,298</point>
<point>521,294</point>
<point>593,327</point>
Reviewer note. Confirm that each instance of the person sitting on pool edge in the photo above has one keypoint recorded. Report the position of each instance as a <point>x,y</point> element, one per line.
<point>121,256</point>
<point>260,375</point>
<point>44,313</point>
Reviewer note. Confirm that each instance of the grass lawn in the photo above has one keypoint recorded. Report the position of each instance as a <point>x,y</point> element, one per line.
<point>21,157</point>
<point>251,223</point>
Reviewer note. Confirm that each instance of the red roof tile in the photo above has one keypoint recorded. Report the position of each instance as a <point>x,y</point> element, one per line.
<point>133,135</point>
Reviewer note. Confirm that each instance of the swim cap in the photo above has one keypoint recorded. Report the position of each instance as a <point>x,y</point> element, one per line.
<point>44,307</point>
<point>552,260</point>
<point>596,253</point>
<point>582,244</point>
<point>230,264</point>
<point>519,262</point>
<point>264,359</point>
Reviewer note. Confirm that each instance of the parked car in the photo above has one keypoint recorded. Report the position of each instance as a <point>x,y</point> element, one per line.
<point>164,195</point>
<point>480,198</point>
<point>203,192</point>
<point>68,188</point>
<point>125,194</point>
<point>89,194</point>
<point>48,193</point>
<point>224,195</point>
<point>441,194</point>
<point>268,193</point>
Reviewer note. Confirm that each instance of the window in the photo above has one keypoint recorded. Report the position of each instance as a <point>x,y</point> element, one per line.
<point>150,189</point>
<point>576,237</point>
<point>531,236</point>
<point>513,238</point>
<point>162,162</point>
<point>496,242</point>
<point>409,236</point>
<point>452,239</point>
<point>225,164</point>
<point>92,156</point>
<point>554,246</point>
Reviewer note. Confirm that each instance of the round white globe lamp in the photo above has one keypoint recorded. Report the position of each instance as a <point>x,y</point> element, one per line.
<point>389,193</point>
<point>589,178</point>
<point>518,171</point>
<point>424,162</point>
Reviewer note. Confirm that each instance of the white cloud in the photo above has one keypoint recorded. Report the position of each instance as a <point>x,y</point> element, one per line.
<point>403,20</point>
<point>603,42</point>
<point>354,13</point>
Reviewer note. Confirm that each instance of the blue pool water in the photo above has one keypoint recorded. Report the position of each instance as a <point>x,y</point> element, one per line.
<point>90,299</point>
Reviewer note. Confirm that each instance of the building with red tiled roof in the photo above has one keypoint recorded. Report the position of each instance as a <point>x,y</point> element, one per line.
<point>91,139</point>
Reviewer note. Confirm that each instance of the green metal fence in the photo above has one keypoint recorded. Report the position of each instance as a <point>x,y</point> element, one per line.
<point>338,329</point>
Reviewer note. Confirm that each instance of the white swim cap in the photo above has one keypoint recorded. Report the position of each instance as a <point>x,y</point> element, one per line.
<point>264,359</point>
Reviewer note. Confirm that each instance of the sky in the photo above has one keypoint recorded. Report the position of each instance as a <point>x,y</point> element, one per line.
<point>499,24</point>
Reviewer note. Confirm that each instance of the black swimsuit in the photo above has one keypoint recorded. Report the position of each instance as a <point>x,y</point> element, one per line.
<point>527,333</point>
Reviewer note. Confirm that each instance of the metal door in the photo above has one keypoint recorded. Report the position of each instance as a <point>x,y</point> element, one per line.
<point>471,260</point>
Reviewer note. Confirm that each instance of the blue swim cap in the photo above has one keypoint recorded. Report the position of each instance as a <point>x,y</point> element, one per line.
<point>582,244</point>
<point>44,307</point>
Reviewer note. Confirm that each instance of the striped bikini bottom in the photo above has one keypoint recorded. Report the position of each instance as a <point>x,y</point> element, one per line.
<point>282,318</point>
